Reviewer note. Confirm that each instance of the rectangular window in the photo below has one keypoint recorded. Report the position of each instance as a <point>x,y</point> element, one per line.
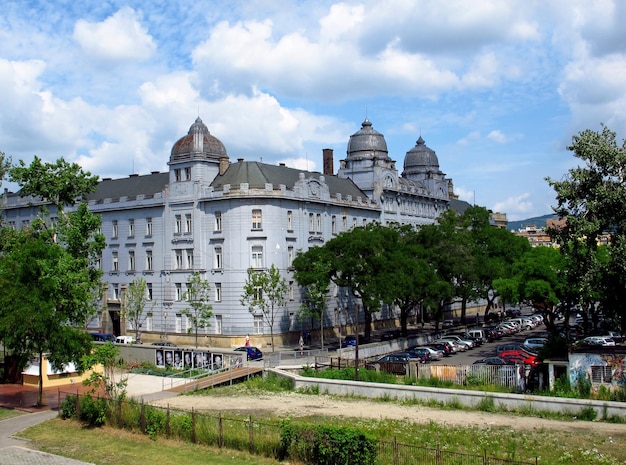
<point>218,292</point>
<point>333,224</point>
<point>289,220</point>
<point>98,264</point>
<point>311,222</point>
<point>354,222</point>
<point>188,223</point>
<point>179,259</point>
<point>179,291</point>
<point>601,374</point>
<point>257,256</point>
<point>178,224</point>
<point>149,322</point>
<point>179,323</point>
<point>115,231</point>
<point>115,289</point>
<point>25,224</point>
<point>364,222</point>
<point>115,265</point>
<point>218,324</point>
<point>149,263</point>
<point>290,290</point>
<point>148,226</point>
<point>218,221</point>
<point>258,324</point>
<point>318,221</point>
<point>218,258</point>
<point>148,291</point>
<point>188,174</point>
<point>344,220</point>
<point>177,175</point>
<point>131,260</point>
<point>131,228</point>
<point>256,219</point>
<point>189,255</point>
<point>290,256</point>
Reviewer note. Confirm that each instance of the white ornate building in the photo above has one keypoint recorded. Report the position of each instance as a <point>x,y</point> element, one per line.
<point>219,218</point>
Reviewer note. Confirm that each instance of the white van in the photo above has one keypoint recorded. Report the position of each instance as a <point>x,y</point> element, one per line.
<point>478,334</point>
<point>124,340</point>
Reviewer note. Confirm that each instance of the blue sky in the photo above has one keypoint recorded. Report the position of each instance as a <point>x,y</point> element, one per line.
<point>496,88</point>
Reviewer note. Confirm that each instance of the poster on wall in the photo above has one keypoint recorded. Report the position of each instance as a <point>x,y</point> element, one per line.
<point>169,358</point>
<point>159,361</point>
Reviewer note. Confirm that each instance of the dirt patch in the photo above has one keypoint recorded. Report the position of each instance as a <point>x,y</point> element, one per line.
<point>289,405</point>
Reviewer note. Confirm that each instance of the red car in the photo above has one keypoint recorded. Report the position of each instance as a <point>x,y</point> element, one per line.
<point>519,356</point>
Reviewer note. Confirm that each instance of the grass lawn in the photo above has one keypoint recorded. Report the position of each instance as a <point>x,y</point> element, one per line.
<point>8,413</point>
<point>105,445</point>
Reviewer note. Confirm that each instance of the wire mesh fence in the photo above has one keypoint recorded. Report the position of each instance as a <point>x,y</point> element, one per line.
<point>248,434</point>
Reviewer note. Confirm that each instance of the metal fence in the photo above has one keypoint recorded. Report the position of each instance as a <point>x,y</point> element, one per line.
<point>510,376</point>
<point>257,437</point>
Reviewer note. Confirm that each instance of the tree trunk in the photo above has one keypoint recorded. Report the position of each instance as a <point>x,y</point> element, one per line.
<point>40,393</point>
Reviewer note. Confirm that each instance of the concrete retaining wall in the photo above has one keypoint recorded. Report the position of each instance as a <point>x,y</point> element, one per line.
<point>512,402</point>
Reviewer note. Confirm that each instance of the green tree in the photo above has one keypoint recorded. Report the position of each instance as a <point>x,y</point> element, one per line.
<point>312,270</point>
<point>5,166</point>
<point>50,284</point>
<point>494,250</point>
<point>135,301</point>
<point>200,311</point>
<point>265,291</point>
<point>104,355</point>
<point>591,198</point>
<point>359,264</point>
<point>537,279</point>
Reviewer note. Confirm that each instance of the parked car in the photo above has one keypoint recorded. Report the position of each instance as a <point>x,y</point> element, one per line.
<point>460,340</point>
<point>418,353</point>
<point>509,346</point>
<point>491,361</point>
<point>253,353</point>
<point>513,312</point>
<point>433,353</point>
<point>455,346</point>
<point>125,340</point>
<point>598,341</point>
<point>447,347</point>
<point>103,337</point>
<point>348,341</point>
<point>534,343</point>
<point>163,344</point>
<point>390,335</point>
<point>392,363</point>
<point>447,324</point>
<point>617,337</point>
<point>516,355</point>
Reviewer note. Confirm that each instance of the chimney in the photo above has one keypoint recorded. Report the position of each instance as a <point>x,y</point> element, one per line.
<point>224,164</point>
<point>327,157</point>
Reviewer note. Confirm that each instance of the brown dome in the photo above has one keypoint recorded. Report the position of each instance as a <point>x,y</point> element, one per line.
<point>198,144</point>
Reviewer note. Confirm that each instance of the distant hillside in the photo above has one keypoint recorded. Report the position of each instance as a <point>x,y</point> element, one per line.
<point>539,221</point>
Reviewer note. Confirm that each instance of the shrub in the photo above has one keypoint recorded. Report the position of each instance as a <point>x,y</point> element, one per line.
<point>93,411</point>
<point>155,422</point>
<point>68,407</point>
<point>327,445</point>
<point>583,386</point>
<point>486,404</point>
<point>587,413</point>
<point>180,426</point>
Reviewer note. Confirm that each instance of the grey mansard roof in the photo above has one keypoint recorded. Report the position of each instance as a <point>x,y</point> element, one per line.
<point>257,175</point>
<point>131,186</point>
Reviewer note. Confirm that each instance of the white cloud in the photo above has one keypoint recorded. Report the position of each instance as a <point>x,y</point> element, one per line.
<point>516,206</point>
<point>497,136</point>
<point>120,37</point>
